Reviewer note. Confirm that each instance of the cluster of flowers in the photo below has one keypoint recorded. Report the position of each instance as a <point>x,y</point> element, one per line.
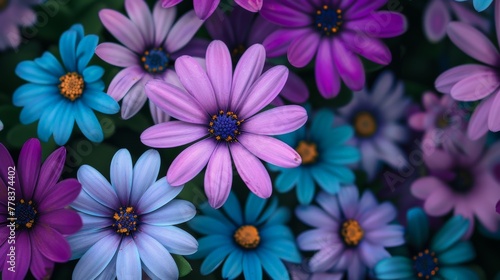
<point>214,97</point>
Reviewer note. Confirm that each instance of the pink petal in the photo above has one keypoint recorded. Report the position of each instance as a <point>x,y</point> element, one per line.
<point>349,66</point>
<point>439,202</point>
<point>469,16</point>
<point>473,43</point>
<point>183,31</point>
<point>271,150</point>
<point>251,170</point>
<point>220,72</point>
<point>435,158</point>
<point>429,100</point>
<point>163,20</point>
<point>276,121</point>
<point>116,55</point>
<point>219,176</point>
<point>158,115</point>
<point>325,72</point>
<point>124,81</point>
<point>204,8</point>
<point>478,124</point>
<point>436,18</point>
<point>302,50</point>
<point>250,5</point>
<point>425,187</point>
<point>449,78</point>
<point>172,134</point>
<point>476,87</point>
<point>140,15</point>
<point>417,121</point>
<point>494,115</point>
<point>169,3</point>
<point>190,162</point>
<point>123,29</point>
<point>497,20</point>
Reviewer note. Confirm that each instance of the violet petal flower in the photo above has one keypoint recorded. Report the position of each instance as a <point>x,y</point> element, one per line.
<point>205,8</point>
<point>220,109</point>
<point>15,14</point>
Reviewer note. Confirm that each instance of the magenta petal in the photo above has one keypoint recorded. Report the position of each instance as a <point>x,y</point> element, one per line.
<point>349,66</point>
<point>251,171</point>
<point>220,72</point>
<point>439,203</point>
<point>494,115</point>
<point>169,3</point>
<point>429,100</point>
<point>28,167</point>
<point>204,8</point>
<point>172,134</point>
<point>123,29</point>
<point>163,20</point>
<point>497,19</point>
<point>219,176</point>
<point>271,150</point>
<point>183,31</point>
<point>157,114</point>
<point>436,18</point>
<point>124,81</point>
<point>23,252</point>
<point>285,15</point>
<point>250,5</point>
<point>325,72</point>
<point>295,90</point>
<point>5,163</point>
<point>417,121</point>
<point>40,267</point>
<point>51,244</point>
<point>476,87</point>
<point>276,121</point>
<point>140,15</point>
<point>302,50</point>
<point>277,43</point>
<point>449,78</point>
<point>423,187</point>
<point>63,220</point>
<point>190,162</point>
<point>176,102</point>
<point>61,195</point>
<point>478,124</point>
<point>372,49</point>
<point>473,42</point>
<point>381,24</point>
<point>116,55</point>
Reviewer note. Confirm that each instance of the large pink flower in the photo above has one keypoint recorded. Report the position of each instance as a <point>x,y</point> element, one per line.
<point>222,111</point>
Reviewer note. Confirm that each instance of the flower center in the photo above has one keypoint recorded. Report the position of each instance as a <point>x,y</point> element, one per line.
<point>365,124</point>
<point>247,237</point>
<point>225,126</point>
<point>307,151</point>
<point>328,20</point>
<point>3,4</point>
<point>352,232</point>
<point>238,52</point>
<point>155,60</point>
<point>425,264</point>
<point>71,85</point>
<point>25,214</point>
<point>125,221</point>
<point>463,181</point>
<point>442,121</point>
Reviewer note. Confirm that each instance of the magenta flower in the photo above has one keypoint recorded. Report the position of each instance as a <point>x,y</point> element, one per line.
<point>438,14</point>
<point>152,43</point>
<point>335,32</point>
<point>473,82</point>
<point>462,181</point>
<point>205,8</point>
<point>221,110</point>
<point>37,214</point>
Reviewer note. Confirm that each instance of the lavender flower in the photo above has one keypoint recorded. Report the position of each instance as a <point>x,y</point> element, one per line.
<point>205,8</point>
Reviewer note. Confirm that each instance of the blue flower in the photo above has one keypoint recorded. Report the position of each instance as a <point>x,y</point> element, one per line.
<point>258,238</point>
<point>128,225</point>
<point>324,155</point>
<point>59,95</point>
<point>479,5</point>
<point>441,257</point>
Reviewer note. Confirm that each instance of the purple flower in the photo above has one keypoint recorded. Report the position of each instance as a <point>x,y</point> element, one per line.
<point>375,119</point>
<point>15,13</point>
<point>438,14</point>
<point>205,8</point>
<point>39,209</point>
<point>302,272</point>
<point>350,233</point>
<point>242,29</point>
<point>462,181</point>
<point>335,32</point>
<point>152,43</point>
<point>443,122</point>
<point>471,82</point>
<point>222,111</point>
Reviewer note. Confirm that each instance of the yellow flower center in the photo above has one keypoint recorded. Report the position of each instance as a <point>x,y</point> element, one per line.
<point>352,232</point>
<point>71,85</point>
<point>365,124</point>
<point>125,221</point>
<point>307,151</point>
<point>247,237</point>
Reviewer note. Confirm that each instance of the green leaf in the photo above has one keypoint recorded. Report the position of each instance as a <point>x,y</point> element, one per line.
<point>183,265</point>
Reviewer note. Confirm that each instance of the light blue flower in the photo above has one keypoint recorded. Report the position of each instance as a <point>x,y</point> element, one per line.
<point>325,155</point>
<point>479,5</point>
<point>128,225</point>
<point>58,95</point>
<point>247,241</point>
<point>440,257</point>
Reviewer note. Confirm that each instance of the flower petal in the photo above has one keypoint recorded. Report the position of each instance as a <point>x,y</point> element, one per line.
<point>145,174</point>
<point>140,15</point>
<point>128,263</point>
<point>156,258</point>
<point>121,175</point>
<point>219,176</point>
<point>28,167</point>
<point>156,196</point>
<point>220,72</point>
<point>276,121</point>
<point>51,243</point>
<point>116,55</point>
<point>172,134</point>
<point>97,186</point>
<point>123,29</point>
<point>124,81</point>
<point>175,240</point>
<point>276,152</point>
<point>183,31</point>
<point>89,267</point>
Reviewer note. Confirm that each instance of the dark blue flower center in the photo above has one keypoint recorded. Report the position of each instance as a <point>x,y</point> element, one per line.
<point>463,181</point>
<point>225,126</point>
<point>328,20</point>
<point>25,214</point>
<point>3,4</point>
<point>155,60</point>
<point>425,264</point>
<point>125,221</point>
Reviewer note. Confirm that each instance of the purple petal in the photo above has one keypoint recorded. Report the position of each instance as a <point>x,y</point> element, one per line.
<point>146,171</point>
<point>371,254</point>
<point>86,204</point>
<point>285,15</point>
<point>28,167</point>
<point>379,24</point>
<point>436,19</point>
<point>204,8</point>
<point>128,261</point>
<point>61,195</point>
<point>473,42</point>
<point>302,50</point>
<point>494,115</point>
<point>220,72</point>
<point>329,204</point>
<point>325,72</point>
<point>5,163</point>
<point>23,252</point>
<point>182,32</point>
<point>195,80</point>
<point>476,87</point>
<point>156,258</point>
<point>116,55</point>
<point>348,200</point>
<point>263,91</point>
<point>40,266</point>
<point>97,186</point>
<point>478,124</point>
<point>175,212</point>
<point>317,239</point>
<point>439,202</point>
<point>176,102</point>
<point>121,175</point>
<point>158,115</point>
<point>140,15</point>
<point>169,3</point>
<point>172,134</point>
<point>135,99</point>
<point>190,162</point>
<point>271,150</point>
<point>372,49</point>
<point>51,244</point>
<point>176,240</point>
<point>467,15</point>
<point>124,81</point>
<point>449,78</point>
<point>325,258</point>
<point>349,66</point>
<point>163,20</point>
<point>250,5</point>
<point>497,20</point>
<point>123,29</point>
<point>387,236</point>
<point>156,196</point>
<point>251,170</point>
<point>277,43</point>
<point>220,31</point>
<point>381,215</point>
<point>315,217</point>
<point>89,267</point>
<point>277,121</point>
<point>63,220</point>
<point>295,90</point>
<point>219,176</point>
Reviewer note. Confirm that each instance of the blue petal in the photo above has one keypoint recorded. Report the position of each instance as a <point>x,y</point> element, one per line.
<point>418,228</point>
<point>89,267</point>
<point>233,266</point>
<point>88,123</point>
<point>209,243</point>
<point>63,130</point>
<point>67,48</point>
<point>270,210</point>
<point>78,28</point>
<point>100,101</point>
<point>325,179</point>
<point>96,86</point>
<point>92,74</point>
<point>34,111</point>
<point>293,138</point>
<point>287,179</point>
<point>48,120</point>
<point>322,120</point>
<point>215,258</point>
<point>339,135</point>
<point>341,155</point>
<point>209,225</point>
<point>305,187</point>
<point>176,240</point>
<point>281,216</point>
<point>233,209</point>
<point>144,176</point>
<point>253,207</point>
<point>276,232</point>
<point>450,233</point>
<point>85,51</point>
<point>481,5</point>
<point>251,266</point>
<point>31,72</point>
<point>283,249</point>
<point>32,94</point>
<point>273,265</point>
<point>394,268</point>
<point>81,241</point>
<point>344,174</point>
<point>128,262</point>
<point>156,257</point>
<point>214,213</point>
<point>458,273</point>
<point>459,253</point>
<point>50,63</point>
